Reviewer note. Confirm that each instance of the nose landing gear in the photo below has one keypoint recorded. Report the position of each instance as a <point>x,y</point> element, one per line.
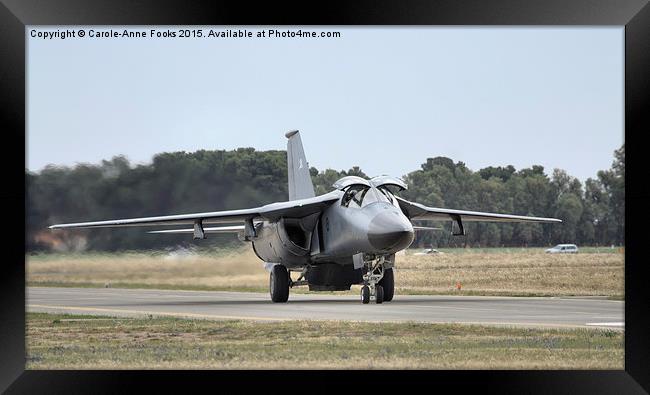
<point>372,286</point>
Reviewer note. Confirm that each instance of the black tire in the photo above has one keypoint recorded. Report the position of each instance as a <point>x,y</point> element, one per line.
<point>379,294</point>
<point>365,294</point>
<point>279,284</point>
<point>388,283</point>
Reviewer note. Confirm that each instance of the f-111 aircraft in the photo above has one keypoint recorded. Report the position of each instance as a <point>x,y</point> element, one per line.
<point>347,236</point>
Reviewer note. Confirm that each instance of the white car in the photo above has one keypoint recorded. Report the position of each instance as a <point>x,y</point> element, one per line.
<point>563,249</point>
<point>428,251</point>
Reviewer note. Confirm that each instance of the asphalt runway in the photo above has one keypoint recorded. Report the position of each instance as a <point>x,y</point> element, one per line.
<point>520,311</point>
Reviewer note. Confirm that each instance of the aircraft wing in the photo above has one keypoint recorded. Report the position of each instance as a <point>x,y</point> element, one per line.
<point>417,211</point>
<point>294,208</point>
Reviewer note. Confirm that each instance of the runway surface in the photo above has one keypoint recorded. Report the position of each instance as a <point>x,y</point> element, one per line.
<point>554,312</point>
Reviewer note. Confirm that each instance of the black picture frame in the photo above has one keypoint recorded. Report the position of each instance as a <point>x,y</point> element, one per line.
<point>633,14</point>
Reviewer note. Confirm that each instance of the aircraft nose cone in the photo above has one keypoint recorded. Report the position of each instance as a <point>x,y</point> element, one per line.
<point>390,232</point>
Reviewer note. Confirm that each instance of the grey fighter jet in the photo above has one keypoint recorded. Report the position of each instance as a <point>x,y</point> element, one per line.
<point>347,236</point>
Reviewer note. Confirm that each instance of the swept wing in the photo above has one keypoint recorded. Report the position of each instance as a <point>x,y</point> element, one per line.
<point>273,211</point>
<point>417,211</point>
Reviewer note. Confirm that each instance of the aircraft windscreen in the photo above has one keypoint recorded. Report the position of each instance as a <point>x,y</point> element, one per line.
<point>373,196</point>
<point>389,196</point>
<point>361,196</point>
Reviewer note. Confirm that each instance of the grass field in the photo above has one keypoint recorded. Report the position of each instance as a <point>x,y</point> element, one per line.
<point>512,271</point>
<point>87,342</point>
<point>583,250</point>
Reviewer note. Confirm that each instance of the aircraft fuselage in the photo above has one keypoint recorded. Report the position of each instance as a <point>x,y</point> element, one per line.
<point>344,229</point>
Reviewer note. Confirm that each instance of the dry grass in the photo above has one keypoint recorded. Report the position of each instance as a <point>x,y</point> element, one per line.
<point>83,342</point>
<point>527,273</point>
<point>231,270</point>
<point>523,273</point>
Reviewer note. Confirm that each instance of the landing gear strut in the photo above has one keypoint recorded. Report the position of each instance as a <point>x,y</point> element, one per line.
<point>372,281</point>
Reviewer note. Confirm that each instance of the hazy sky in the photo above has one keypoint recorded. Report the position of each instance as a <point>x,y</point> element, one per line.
<point>381,98</point>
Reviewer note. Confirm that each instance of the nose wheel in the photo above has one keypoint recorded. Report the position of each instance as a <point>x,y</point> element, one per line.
<point>372,287</point>
<point>366,293</point>
<point>379,294</point>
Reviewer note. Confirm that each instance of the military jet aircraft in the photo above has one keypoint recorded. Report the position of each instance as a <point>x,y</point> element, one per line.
<point>347,236</point>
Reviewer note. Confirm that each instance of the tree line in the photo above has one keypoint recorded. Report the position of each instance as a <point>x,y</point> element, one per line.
<point>212,180</point>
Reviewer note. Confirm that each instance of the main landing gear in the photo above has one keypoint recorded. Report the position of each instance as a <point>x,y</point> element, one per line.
<point>378,282</point>
<point>279,284</point>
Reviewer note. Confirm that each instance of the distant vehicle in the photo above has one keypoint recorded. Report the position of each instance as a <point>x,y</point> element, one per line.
<point>563,249</point>
<point>428,251</point>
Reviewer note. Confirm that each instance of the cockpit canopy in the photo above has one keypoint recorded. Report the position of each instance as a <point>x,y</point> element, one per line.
<point>360,192</point>
<point>388,180</point>
<point>358,195</point>
<point>345,182</point>
<point>377,182</point>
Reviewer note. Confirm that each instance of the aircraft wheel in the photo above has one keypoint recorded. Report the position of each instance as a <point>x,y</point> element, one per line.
<point>279,284</point>
<point>365,294</point>
<point>379,294</point>
<point>388,283</point>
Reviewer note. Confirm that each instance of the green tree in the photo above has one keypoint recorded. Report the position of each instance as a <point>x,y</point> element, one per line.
<point>210,180</point>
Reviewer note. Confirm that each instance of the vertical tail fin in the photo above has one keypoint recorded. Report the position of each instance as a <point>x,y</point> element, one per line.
<point>300,185</point>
